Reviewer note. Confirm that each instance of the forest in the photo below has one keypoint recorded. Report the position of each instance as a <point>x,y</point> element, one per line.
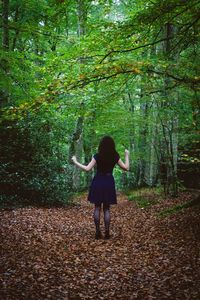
<point>71,72</point>
<point>74,71</point>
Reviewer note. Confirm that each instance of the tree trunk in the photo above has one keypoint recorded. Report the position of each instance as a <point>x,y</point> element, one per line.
<point>16,30</point>
<point>128,179</point>
<point>4,92</point>
<point>75,148</point>
<point>82,17</point>
<point>77,174</point>
<point>5,33</point>
<point>87,155</point>
<point>169,122</point>
<point>74,178</point>
<point>142,145</point>
<point>75,137</point>
<point>153,162</point>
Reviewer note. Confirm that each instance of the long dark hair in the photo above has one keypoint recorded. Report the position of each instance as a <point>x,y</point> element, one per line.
<point>106,148</point>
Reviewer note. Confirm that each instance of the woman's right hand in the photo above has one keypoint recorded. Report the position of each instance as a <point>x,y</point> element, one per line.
<point>74,158</point>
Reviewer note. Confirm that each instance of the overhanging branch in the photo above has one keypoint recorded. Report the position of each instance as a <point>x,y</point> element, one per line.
<point>135,48</point>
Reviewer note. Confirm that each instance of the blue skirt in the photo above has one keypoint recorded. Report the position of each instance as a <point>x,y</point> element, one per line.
<point>102,189</point>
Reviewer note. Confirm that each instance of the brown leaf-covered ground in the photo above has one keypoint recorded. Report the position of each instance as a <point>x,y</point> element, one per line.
<point>51,253</point>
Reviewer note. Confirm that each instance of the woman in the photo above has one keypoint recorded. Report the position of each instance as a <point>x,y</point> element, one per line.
<point>102,189</point>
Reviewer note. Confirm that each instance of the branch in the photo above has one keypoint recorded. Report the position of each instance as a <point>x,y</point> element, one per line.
<point>160,90</point>
<point>194,81</point>
<point>184,10</point>
<point>135,48</point>
<point>35,31</point>
<point>82,83</point>
<point>184,31</point>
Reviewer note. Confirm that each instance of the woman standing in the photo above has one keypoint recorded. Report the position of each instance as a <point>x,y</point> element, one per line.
<point>102,189</point>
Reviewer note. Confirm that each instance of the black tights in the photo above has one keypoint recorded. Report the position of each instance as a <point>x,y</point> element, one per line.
<point>106,210</point>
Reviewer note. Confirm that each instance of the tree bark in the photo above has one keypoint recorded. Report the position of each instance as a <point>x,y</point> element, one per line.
<point>16,30</point>
<point>76,141</point>
<point>153,162</point>
<point>168,153</point>
<point>4,92</point>
<point>5,33</point>
<point>82,17</point>
<point>142,145</point>
<point>87,156</point>
<point>130,175</point>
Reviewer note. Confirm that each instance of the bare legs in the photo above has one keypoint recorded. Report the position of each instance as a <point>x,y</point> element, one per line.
<point>106,210</point>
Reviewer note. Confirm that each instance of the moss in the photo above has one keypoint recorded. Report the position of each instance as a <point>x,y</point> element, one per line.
<point>144,197</point>
<point>180,207</point>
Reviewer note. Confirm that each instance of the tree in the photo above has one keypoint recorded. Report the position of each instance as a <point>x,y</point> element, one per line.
<point>76,70</point>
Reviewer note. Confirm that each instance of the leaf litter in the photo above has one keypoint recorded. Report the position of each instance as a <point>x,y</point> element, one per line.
<point>51,253</point>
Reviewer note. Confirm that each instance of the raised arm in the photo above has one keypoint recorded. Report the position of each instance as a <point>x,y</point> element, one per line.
<point>83,167</point>
<point>124,166</point>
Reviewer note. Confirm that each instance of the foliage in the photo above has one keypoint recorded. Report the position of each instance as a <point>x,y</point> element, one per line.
<point>33,165</point>
<point>72,71</point>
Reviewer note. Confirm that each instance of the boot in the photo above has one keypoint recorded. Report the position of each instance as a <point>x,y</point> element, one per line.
<point>98,235</point>
<point>107,235</point>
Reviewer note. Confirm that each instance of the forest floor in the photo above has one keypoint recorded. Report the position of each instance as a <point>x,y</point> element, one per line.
<point>51,253</point>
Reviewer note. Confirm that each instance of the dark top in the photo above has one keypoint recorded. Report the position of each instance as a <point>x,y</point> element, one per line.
<point>104,165</point>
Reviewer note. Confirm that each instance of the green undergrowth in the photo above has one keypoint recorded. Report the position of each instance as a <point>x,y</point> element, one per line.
<point>144,197</point>
<point>15,202</point>
<point>180,207</point>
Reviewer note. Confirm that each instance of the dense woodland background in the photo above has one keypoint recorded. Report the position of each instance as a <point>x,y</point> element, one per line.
<point>73,71</point>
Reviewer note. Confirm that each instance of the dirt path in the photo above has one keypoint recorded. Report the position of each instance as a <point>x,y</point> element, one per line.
<point>52,253</point>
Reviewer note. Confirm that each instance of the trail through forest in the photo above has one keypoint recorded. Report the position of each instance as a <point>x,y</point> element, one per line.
<point>51,253</point>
